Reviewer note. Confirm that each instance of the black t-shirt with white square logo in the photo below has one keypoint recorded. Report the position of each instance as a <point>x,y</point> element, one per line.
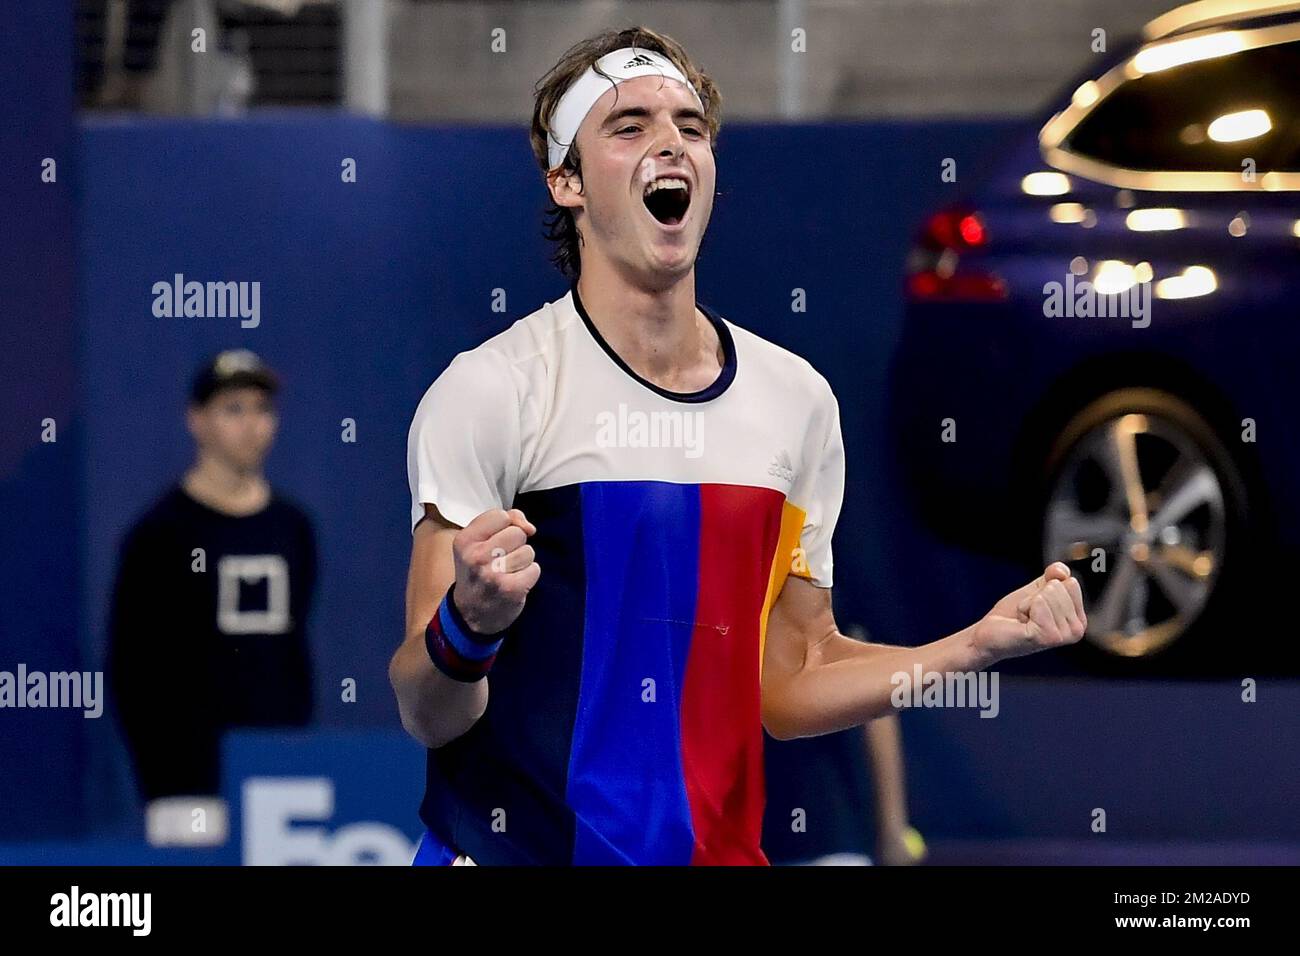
<point>207,632</point>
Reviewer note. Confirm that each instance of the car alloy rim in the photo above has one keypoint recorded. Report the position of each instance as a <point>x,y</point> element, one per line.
<point>1137,512</point>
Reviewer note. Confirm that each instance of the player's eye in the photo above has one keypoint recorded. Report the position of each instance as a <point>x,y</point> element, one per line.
<point>627,128</point>
<point>692,130</point>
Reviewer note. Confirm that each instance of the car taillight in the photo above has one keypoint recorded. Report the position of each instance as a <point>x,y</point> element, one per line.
<point>955,228</point>
<point>934,268</point>
<point>971,230</point>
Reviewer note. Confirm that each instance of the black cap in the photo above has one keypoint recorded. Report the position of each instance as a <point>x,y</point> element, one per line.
<point>234,368</point>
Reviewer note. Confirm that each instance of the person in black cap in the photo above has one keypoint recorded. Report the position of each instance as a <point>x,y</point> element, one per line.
<point>213,587</point>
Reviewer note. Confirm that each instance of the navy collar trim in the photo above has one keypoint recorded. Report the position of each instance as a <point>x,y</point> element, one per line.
<point>720,384</point>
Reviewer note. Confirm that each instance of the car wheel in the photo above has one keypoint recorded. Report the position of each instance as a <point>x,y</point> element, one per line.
<point>1144,504</point>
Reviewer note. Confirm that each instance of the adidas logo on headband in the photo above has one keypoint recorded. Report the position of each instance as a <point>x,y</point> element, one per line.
<point>577,101</point>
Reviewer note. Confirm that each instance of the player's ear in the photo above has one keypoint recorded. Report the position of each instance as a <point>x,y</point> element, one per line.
<point>565,185</point>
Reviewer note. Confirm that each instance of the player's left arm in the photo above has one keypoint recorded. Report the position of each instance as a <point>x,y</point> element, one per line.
<point>816,680</point>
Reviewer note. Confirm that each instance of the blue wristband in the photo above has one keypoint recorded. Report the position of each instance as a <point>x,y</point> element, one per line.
<point>454,647</point>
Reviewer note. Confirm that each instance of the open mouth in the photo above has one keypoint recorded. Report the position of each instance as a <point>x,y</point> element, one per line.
<point>668,199</point>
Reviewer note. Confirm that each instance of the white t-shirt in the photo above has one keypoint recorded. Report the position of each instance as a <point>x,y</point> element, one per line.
<point>547,403</point>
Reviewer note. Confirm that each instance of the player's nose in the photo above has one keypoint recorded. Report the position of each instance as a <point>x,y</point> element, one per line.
<point>671,145</point>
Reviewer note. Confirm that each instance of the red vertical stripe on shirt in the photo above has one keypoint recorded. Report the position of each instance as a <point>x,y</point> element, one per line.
<point>722,732</point>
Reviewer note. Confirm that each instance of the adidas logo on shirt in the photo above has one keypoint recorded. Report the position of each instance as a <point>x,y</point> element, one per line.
<point>781,466</point>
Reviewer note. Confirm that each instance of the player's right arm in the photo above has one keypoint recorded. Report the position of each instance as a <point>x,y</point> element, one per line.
<point>493,568</point>
<point>465,450</point>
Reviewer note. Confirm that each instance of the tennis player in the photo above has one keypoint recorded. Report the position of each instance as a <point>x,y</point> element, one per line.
<point>622,510</point>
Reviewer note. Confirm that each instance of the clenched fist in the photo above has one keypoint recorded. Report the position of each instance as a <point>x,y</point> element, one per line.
<point>495,569</point>
<point>1047,612</point>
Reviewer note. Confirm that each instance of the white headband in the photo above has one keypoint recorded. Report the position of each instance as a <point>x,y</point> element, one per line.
<point>579,98</point>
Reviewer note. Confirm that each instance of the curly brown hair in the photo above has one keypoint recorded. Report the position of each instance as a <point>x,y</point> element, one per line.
<point>561,228</point>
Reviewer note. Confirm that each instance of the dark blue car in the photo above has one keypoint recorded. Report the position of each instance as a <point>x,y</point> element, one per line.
<point>1098,362</point>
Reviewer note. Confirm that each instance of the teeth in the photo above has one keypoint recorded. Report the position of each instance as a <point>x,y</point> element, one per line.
<point>665,183</point>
